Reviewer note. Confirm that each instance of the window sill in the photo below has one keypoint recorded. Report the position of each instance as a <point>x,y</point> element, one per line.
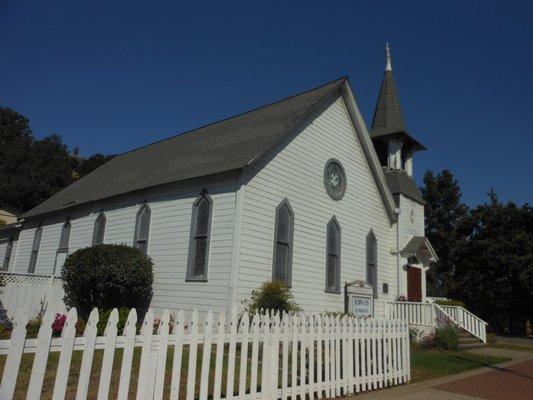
<point>332,291</point>
<point>195,280</point>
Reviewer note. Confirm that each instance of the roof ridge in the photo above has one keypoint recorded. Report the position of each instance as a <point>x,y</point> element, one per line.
<point>341,79</point>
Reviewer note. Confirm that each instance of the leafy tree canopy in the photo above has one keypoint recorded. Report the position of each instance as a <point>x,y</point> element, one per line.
<point>444,216</point>
<point>32,170</point>
<point>494,275</point>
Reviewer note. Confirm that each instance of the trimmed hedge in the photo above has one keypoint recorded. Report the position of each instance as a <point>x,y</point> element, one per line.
<point>107,276</point>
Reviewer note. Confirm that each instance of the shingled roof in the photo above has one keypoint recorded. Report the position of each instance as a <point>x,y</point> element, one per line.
<point>219,147</point>
<point>399,182</point>
<point>388,116</point>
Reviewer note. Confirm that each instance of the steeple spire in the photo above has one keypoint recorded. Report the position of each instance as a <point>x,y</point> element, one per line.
<point>388,66</point>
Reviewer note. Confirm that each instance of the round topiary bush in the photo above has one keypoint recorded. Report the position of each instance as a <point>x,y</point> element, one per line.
<point>107,276</point>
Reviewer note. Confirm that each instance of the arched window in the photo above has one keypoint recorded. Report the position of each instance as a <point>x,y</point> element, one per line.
<point>333,260</point>
<point>99,229</point>
<point>35,249</point>
<point>64,239</point>
<point>7,256</point>
<point>142,229</point>
<point>371,262</point>
<point>283,238</point>
<point>199,238</point>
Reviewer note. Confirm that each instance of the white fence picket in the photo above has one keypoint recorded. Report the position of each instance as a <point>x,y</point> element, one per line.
<point>146,332</point>
<point>41,357</point>
<point>245,328</point>
<point>206,357</point>
<point>130,330</point>
<point>179,328</point>
<point>163,332</point>
<point>110,335</point>
<point>255,357</point>
<point>14,357</point>
<point>217,385</point>
<point>67,346</point>
<point>91,330</point>
<point>231,355</point>
<point>193,348</point>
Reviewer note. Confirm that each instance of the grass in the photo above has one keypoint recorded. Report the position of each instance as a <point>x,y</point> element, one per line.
<point>51,370</point>
<point>429,364</point>
<point>512,346</point>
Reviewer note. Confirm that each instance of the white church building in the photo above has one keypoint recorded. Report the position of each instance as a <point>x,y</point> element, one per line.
<point>298,190</point>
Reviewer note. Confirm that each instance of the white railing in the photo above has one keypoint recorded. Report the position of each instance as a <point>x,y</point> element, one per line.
<point>468,321</point>
<point>412,312</point>
<point>36,292</point>
<point>432,314</point>
<point>260,357</point>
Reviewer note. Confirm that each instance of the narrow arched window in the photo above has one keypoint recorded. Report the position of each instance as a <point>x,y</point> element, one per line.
<point>142,229</point>
<point>371,262</point>
<point>35,249</point>
<point>283,238</point>
<point>64,239</point>
<point>333,260</point>
<point>199,238</point>
<point>7,256</point>
<point>99,229</point>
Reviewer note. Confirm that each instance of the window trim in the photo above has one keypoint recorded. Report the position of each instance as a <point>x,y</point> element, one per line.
<point>375,285</point>
<point>9,252</point>
<point>64,249</point>
<point>32,266</point>
<point>337,289</point>
<point>101,214</point>
<point>284,202</point>
<point>144,206</point>
<point>192,249</point>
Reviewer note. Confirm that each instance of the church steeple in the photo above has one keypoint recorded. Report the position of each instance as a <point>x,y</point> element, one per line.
<point>389,133</point>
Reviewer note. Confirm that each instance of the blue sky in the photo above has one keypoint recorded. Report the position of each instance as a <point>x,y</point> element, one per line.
<point>110,76</point>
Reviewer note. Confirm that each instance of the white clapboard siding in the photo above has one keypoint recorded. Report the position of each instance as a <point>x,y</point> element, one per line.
<point>315,355</point>
<point>294,169</point>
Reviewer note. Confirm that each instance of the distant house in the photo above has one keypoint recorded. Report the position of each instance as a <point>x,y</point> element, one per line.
<point>297,191</point>
<point>8,214</point>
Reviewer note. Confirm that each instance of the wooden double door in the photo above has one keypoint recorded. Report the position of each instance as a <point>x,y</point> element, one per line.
<point>414,284</point>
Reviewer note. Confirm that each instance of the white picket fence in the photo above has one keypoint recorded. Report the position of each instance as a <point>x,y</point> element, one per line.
<point>258,357</point>
<point>37,292</point>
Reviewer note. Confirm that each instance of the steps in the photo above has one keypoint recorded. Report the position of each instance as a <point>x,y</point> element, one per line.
<point>468,342</point>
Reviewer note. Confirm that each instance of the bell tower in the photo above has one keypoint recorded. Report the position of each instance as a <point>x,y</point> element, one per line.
<point>393,143</point>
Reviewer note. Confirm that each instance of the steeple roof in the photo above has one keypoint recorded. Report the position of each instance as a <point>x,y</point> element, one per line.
<point>388,117</point>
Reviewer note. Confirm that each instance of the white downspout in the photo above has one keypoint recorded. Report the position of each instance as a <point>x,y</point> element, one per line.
<point>398,211</point>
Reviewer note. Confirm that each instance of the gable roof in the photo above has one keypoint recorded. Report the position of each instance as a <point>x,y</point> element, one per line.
<point>215,148</point>
<point>399,182</point>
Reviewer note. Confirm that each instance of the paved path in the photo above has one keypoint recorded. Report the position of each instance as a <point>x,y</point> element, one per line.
<point>512,380</point>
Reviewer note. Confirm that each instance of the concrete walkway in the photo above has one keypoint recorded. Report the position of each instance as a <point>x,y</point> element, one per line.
<point>511,380</point>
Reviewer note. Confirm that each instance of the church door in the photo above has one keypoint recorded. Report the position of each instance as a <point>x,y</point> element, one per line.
<point>414,284</point>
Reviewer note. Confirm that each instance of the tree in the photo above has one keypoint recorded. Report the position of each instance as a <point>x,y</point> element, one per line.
<point>87,165</point>
<point>494,275</point>
<point>444,216</point>
<point>33,170</point>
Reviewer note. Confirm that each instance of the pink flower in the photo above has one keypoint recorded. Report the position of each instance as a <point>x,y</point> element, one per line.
<point>59,323</point>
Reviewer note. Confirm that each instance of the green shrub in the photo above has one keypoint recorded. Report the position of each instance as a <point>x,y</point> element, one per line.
<point>103,317</point>
<point>107,276</point>
<point>446,337</point>
<point>274,296</point>
<point>450,302</point>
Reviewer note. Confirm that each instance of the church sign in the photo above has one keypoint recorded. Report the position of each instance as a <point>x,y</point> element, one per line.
<point>359,299</point>
<point>362,306</point>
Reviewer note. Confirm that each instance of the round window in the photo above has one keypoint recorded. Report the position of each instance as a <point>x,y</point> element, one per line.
<point>334,179</point>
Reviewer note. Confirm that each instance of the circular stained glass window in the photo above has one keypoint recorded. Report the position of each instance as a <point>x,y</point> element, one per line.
<point>334,179</point>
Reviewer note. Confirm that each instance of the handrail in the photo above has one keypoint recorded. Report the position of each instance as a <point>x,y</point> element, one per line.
<point>429,313</point>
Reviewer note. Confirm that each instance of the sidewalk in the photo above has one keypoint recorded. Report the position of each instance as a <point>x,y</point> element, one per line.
<point>511,380</point>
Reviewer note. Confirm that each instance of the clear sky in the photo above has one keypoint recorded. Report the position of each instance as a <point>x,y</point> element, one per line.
<point>110,76</point>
